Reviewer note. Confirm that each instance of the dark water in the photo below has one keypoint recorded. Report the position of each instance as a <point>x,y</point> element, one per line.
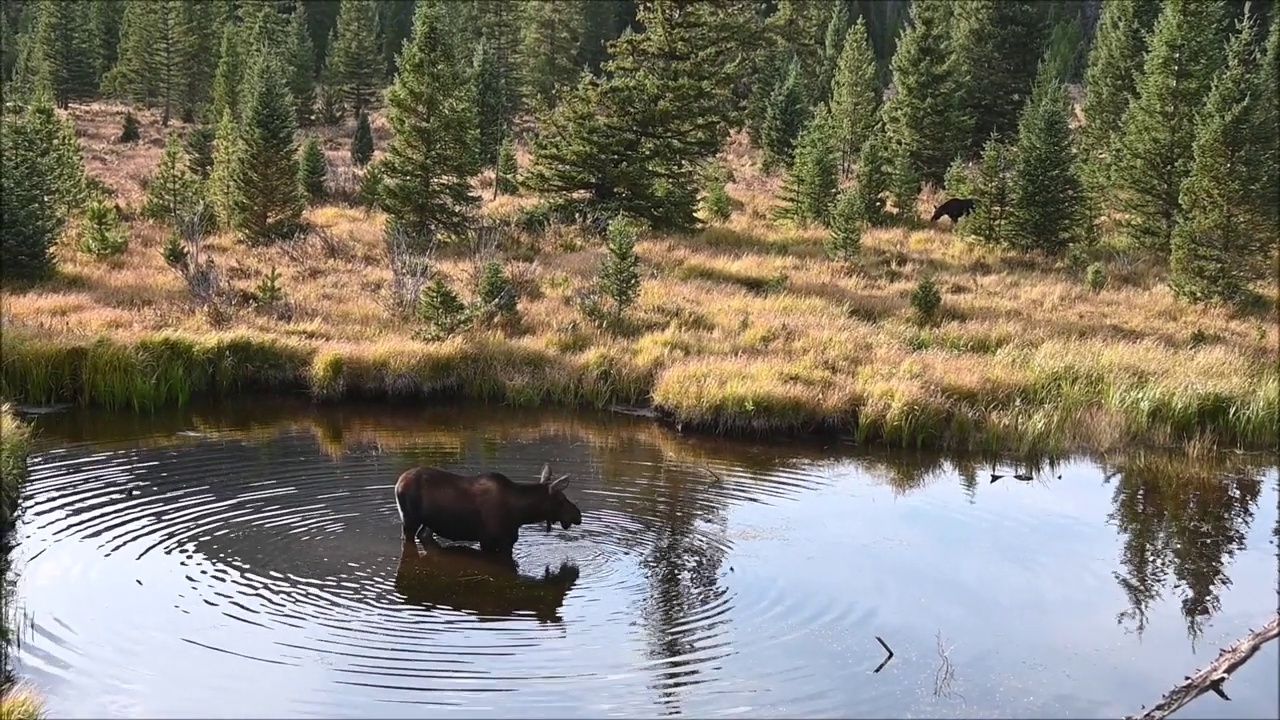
<point>248,563</point>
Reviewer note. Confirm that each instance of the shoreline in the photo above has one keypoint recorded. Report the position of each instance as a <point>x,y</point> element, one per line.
<point>169,369</point>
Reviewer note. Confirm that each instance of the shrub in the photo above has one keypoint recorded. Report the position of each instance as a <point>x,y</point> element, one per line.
<point>129,130</point>
<point>441,309</point>
<point>716,203</point>
<point>505,178</point>
<point>1095,277</point>
<point>312,170</point>
<point>926,300</point>
<point>618,282</point>
<point>101,233</point>
<point>496,297</point>
<point>362,141</point>
<point>846,227</point>
<point>371,186</point>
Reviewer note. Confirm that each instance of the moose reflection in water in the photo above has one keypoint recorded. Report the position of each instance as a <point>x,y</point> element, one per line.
<point>486,584</point>
<point>489,507</point>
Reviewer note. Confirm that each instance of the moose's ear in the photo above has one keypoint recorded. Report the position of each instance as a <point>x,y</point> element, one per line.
<point>546,472</point>
<point>559,485</point>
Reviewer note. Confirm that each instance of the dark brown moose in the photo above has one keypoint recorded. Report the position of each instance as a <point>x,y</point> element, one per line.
<point>489,507</point>
<point>486,584</point>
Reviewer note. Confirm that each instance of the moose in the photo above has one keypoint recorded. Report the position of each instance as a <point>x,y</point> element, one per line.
<point>489,507</point>
<point>955,208</point>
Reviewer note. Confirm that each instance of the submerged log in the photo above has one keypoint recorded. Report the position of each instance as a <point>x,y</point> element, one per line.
<point>1213,675</point>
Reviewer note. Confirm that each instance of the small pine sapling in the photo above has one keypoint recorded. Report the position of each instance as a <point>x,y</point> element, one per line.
<point>362,141</point>
<point>312,170</point>
<point>441,309</point>
<point>129,131</point>
<point>496,297</point>
<point>101,234</point>
<point>618,283</point>
<point>505,178</point>
<point>846,227</point>
<point>926,300</point>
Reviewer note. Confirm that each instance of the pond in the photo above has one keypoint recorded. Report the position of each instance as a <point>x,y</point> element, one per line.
<point>247,561</point>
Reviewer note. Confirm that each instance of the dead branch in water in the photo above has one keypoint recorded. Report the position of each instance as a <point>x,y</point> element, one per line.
<point>945,677</point>
<point>889,657</point>
<point>1213,675</point>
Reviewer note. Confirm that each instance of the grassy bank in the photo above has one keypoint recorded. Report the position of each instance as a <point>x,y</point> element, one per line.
<point>15,439</point>
<point>743,327</point>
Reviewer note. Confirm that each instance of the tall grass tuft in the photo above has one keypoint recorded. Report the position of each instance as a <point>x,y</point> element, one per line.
<point>15,443</point>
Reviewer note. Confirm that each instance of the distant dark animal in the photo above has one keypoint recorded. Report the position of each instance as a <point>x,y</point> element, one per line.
<point>489,507</point>
<point>955,208</point>
<point>486,584</point>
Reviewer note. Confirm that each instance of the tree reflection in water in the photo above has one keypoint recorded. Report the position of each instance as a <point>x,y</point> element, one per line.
<point>1182,523</point>
<point>684,608</point>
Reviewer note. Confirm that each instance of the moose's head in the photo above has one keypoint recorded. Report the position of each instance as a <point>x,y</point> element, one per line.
<point>559,508</point>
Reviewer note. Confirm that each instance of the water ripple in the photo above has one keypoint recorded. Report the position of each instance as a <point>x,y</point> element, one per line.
<point>268,558</point>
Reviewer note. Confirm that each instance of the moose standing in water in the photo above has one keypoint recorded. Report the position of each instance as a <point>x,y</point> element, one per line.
<point>489,507</point>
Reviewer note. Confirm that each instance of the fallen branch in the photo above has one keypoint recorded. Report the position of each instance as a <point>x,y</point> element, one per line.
<point>887,649</point>
<point>1213,675</point>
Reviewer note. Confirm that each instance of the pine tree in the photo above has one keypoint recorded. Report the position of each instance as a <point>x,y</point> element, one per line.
<point>199,146</point>
<point>871,178</point>
<point>635,140</point>
<point>173,59</point>
<point>992,191</point>
<point>302,84</point>
<point>64,163</point>
<point>1155,146</point>
<point>499,26</point>
<point>552,31</point>
<point>157,46</point>
<point>619,279</point>
<point>1115,63</point>
<point>31,219</point>
<point>785,117</point>
<point>226,153</point>
<point>800,26</point>
<point>487,84</point>
<point>846,227</point>
<point>1270,120</point>
<point>172,187</point>
<point>431,158</point>
<point>312,169</point>
<point>362,141</point>
<point>63,38</point>
<point>838,26</point>
<point>104,19</point>
<point>995,46</point>
<point>505,176</point>
<point>1046,206</point>
<point>229,74</point>
<point>813,179</point>
<point>1223,237</point>
<point>206,39</point>
<point>924,117</point>
<point>855,95</point>
<point>395,20</point>
<point>266,201</point>
<point>355,60</point>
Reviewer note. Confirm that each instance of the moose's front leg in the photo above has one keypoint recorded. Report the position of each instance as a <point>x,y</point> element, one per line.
<point>503,544</point>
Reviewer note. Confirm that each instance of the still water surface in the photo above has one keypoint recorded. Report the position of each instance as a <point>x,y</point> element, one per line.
<point>248,562</point>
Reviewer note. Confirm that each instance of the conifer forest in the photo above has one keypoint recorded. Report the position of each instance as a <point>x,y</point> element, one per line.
<point>533,201</point>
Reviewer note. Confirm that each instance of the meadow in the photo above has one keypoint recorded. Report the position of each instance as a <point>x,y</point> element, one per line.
<point>744,327</point>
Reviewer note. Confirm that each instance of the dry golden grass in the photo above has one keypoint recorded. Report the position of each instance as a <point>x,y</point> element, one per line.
<point>743,325</point>
<point>21,702</point>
